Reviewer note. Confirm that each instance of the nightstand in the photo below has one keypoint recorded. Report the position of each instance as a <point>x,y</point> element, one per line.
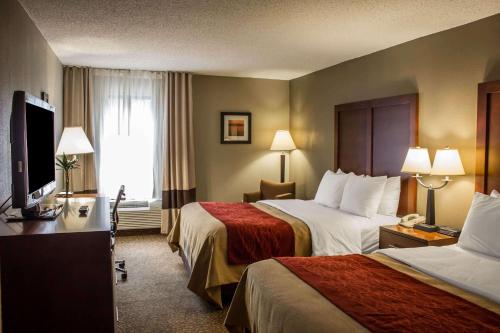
<point>401,237</point>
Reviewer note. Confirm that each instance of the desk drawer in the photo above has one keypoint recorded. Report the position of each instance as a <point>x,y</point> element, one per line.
<point>388,240</point>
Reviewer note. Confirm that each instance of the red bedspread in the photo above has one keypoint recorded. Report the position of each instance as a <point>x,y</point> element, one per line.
<point>385,300</point>
<point>252,234</point>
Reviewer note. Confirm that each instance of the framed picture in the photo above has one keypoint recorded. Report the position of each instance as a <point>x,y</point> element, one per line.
<point>45,96</point>
<point>235,127</point>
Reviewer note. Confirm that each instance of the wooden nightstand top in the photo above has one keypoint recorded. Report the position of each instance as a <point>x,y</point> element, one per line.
<point>415,233</point>
<point>414,237</point>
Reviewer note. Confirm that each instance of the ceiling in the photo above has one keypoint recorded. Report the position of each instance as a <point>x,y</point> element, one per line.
<point>275,39</point>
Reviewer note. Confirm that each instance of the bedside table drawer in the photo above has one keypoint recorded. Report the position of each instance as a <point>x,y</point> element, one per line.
<point>388,240</point>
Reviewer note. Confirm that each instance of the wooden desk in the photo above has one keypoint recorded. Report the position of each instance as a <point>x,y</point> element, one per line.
<point>401,237</point>
<point>58,276</point>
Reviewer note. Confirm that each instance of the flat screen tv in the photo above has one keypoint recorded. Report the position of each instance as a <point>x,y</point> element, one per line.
<point>32,149</point>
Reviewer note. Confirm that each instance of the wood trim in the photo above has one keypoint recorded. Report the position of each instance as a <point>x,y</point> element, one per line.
<point>335,139</point>
<point>408,200</point>
<point>363,109</point>
<point>369,152</point>
<point>482,133</point>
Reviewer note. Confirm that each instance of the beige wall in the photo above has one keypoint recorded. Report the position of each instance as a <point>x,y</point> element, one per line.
<point>26,63</point>
<point>443,68</point>
<point>225,171</point>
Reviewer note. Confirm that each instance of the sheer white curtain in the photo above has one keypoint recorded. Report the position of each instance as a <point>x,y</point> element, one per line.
<point>129,131</point>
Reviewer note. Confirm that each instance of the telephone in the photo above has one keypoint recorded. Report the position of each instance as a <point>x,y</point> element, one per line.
<point>410,220</point>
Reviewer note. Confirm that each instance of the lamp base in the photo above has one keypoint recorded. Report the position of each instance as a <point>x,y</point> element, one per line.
<point>430,215</point>
<point>426,227</point>
<point>282,167</point>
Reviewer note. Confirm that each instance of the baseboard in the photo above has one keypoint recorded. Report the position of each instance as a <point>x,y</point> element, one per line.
<point>138,232</point>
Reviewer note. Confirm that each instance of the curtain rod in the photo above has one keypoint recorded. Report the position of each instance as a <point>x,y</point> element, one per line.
<point>126,70</point>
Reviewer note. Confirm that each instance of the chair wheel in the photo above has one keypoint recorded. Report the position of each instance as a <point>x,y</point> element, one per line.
<point>124,276</point>
<point>121,265</point>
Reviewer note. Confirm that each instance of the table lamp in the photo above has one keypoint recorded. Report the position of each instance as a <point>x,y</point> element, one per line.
<point>283,142</point>
<point>447,163</point>
<point>73,142</point>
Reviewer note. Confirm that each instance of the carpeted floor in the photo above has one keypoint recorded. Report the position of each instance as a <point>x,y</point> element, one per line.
<point>155,298</point>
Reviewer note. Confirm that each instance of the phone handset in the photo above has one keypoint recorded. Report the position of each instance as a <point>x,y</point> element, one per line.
<point>410,220</point>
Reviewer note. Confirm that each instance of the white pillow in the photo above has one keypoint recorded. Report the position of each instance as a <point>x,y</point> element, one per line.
<point>362,195</point>
<point>495,194</point>
<point>390,199</point>
<point>330,189</point>
<point>482,226</point>
<point>340,172</point>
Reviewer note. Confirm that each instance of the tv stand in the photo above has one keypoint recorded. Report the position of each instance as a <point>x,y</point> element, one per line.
<point>58,276</point>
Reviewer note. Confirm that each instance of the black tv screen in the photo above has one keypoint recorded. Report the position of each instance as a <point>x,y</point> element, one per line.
<point>32,150</point>
<point>40,145</point>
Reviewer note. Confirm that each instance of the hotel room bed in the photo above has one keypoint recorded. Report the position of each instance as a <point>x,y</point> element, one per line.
<point>392,122</point>
<point>201,239</point>
<point>271,298</point>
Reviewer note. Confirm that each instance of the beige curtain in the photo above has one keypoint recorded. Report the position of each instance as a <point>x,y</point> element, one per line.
<point>78,111</point>
<point>179,187</point>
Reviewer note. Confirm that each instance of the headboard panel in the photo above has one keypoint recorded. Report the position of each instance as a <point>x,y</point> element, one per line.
<point>488,137</point>
<point>372,138</point>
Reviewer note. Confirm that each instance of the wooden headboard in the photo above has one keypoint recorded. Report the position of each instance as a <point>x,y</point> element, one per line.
<point>488,137</point>
<point>372,138</point>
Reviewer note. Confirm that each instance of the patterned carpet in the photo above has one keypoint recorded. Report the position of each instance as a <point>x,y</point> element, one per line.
<point>155,298</point>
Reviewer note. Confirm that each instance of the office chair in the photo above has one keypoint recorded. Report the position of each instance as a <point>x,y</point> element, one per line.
<point>115,219</point>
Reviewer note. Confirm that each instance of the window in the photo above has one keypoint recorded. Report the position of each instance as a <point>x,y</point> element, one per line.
<point>129,129</point>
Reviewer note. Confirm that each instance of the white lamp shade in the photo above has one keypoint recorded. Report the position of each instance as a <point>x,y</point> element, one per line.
<point>283,141</point>
<point>73,142</point>
<point>447,162</point>
<point>417,161</point>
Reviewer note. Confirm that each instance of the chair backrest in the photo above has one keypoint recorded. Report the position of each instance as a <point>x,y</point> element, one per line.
<point>269,189</point>
<point>119,197</point>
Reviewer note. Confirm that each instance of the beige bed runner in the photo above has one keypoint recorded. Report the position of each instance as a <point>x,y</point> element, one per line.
<point>203,240</point>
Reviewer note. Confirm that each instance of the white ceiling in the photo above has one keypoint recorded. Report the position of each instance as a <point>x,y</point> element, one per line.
<point>275,39</point>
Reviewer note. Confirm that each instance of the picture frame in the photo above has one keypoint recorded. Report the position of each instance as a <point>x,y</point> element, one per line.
<point>235,127</point>
<point>44,96</point>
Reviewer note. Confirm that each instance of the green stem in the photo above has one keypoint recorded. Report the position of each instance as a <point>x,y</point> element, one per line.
<point>66,173</point>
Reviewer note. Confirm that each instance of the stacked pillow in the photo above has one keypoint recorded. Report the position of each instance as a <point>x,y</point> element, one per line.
<point>331,188</point>
<point>362,195</point>
<point>359,195</point>
<point>482,225</point>
<point>390,199</point>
